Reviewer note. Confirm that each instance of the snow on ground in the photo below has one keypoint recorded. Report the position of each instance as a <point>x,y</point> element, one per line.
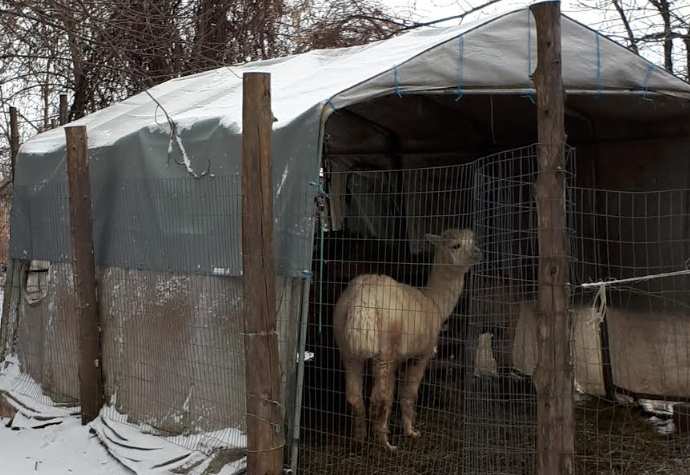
<point>232,468</point>
<point>44,438</point>
<point>72,449</point>
<point>66,448</point>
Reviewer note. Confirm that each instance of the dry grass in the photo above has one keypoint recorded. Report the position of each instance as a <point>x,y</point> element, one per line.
<point>620,439</point>
<point>438,451</point>
<point>480,430</point>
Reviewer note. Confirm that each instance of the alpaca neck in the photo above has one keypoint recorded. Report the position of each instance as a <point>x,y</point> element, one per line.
<point>444,287</point>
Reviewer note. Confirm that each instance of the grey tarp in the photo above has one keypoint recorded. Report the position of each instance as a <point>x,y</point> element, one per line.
<point>150,213</point>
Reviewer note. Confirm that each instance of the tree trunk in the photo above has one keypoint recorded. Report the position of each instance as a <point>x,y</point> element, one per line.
<point>664,10</point>
<point>687,55</point>
<point>626,23</point>
<point>78,108</point>
<point>64,113</point>
<point>211,36</point>
<point>14,139</point>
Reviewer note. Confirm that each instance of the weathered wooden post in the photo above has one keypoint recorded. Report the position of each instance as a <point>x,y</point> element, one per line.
<point>265,439</point>
<point>554,373</point>
<point>64,113</point>
<point>13,273</point>
<point>84,270</point>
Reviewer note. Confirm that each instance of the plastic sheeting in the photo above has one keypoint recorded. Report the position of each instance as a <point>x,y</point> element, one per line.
<point>139,162</point>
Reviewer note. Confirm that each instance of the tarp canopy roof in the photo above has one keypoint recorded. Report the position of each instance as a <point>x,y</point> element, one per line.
<point>132,141</point>
<point>497,53</point>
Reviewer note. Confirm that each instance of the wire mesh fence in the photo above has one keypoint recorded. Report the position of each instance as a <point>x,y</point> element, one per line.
<point>375,223</point>
<point>439,354</point>
<point>477,402</point>
<point>172,340</point>
<point>500,402</point>
<point>47,333</point>
<point>632,331</point>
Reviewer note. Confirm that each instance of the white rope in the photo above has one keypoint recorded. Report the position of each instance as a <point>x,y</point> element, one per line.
<point>643,278</point>
<point>599,304</point>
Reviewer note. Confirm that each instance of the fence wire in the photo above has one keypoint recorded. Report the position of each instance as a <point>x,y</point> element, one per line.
<point>477,402</point>
<point>173,353</point>
<point>46,333</point>
<point>632,338</point>
<point>375,222</point>
<point>172,342</point>
<point>499,417</point>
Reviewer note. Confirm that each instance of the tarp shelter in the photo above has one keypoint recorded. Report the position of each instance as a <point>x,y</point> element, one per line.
<point>134,153</point>
<point>165,166</point>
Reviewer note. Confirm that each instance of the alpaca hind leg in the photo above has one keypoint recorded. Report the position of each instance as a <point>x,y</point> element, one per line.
<point>355,397</point>
<point>382,400</point>
<point>414,372</point>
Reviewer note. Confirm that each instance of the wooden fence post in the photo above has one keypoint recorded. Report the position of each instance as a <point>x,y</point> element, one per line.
<point>265,439</point>
<point>554,373</point>
<point>84,270</point>
<point>12,274</point>
<point>64,113</point>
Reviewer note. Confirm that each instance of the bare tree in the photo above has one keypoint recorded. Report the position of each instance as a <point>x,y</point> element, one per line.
<point>631,37</point>
<point>651,27</point>
<point>101,51</point>
<point>687,53</point>
<point>340,23</point>
<point>664,9</point>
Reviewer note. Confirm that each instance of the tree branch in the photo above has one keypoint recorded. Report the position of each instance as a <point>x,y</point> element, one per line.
<point>448,18</point>
<point>624,18</point>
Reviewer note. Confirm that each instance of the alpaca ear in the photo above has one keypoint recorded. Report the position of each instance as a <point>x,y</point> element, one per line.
<point>433,238</point>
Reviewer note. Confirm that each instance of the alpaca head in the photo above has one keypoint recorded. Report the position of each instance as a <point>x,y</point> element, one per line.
<point>456,248</point>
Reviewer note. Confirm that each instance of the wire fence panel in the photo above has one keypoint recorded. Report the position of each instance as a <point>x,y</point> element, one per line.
<point>632,331</point>
<point>47,333</point>
<point>172,341</point>
<point>418,317</point>
<point>174,353</point>
<point>499,404</point>
<point>477,405</point>
<point>500,400</point>
<point>475,413</point>
<point>375,223</point>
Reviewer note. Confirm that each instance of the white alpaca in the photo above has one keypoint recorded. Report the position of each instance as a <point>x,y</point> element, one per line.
<point>379,318</point>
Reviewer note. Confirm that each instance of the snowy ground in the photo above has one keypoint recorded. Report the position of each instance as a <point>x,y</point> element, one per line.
<point>70,448</point>
<point>67,448</point>
<point>44,438</point>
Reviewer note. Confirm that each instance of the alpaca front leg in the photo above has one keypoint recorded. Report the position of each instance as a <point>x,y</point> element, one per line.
<point>355,397</point>
<point>414,373</point>
<point>382,400</point>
